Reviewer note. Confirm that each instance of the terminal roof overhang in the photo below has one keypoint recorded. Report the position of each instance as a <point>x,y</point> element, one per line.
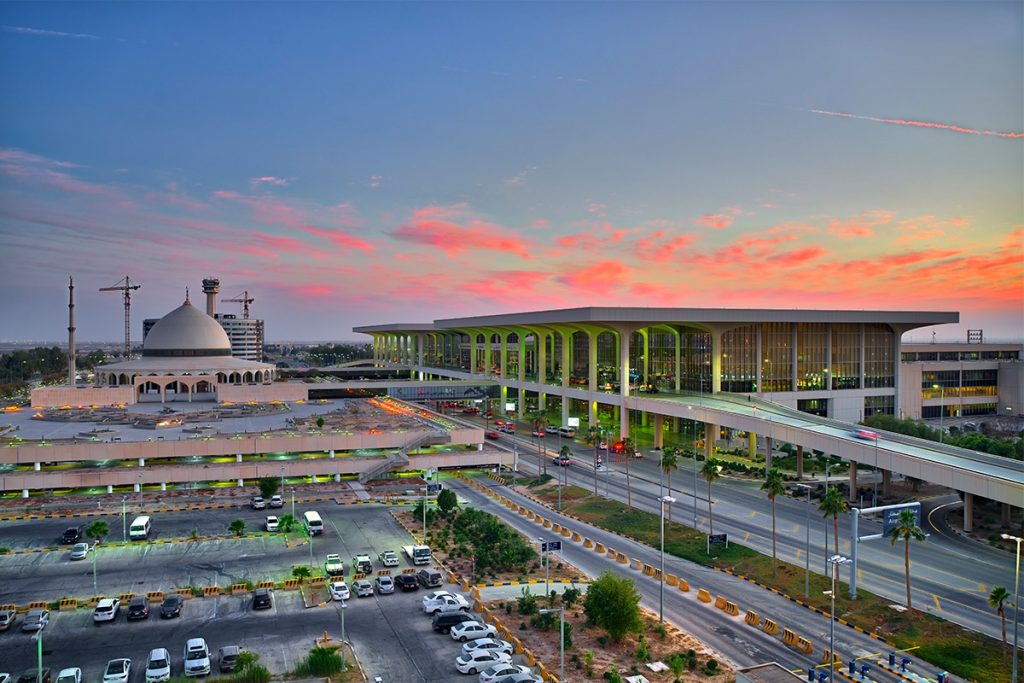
<point>904,320</point>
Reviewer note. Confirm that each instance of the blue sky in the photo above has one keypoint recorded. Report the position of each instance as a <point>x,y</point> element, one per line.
<point>357,163</point>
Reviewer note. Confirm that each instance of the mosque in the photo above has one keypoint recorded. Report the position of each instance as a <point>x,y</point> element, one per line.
<point>186,357</point>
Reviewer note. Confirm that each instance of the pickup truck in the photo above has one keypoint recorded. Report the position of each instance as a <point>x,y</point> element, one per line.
<point>362,564</point>
<point>333,565</point>
<point>388,558</point>
<point>444,602</point>
<point>418,554</point>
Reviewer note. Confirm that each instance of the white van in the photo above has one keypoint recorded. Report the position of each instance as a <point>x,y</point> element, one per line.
<point>139,530</point>
<point>314,525</point>
<point>568,432</point>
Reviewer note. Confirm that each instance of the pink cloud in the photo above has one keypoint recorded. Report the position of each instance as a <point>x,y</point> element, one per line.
<point>429,227</point>
<point>540,223</point>
<point>508,287</point>
<point>928,228</point>
<point>721,220</point>
<point>266,210</point>
<point>339,237</point>
<point>599,278</point>
<point>268,180</point>
<point>862,226</point>
<point>652,248</point>
<point>287,244</point>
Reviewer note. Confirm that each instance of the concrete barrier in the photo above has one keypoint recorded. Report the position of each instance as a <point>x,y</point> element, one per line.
<point>804,645</point>
<point>409,571</point>
<point>672,579</point>
<point>703,595</point>
<point>637,564</point>
<point>319,581</point>
<point>566,532</point>
<point>530,659</point>
<point>93,601</point>
<point>517,645</point>
<point>752,618</point>
<point>213,591</point>
<point>265,584</point>
<point>789,637</point>
<point>522,510</point>
<point>530,515</point>
<point>184,592</point>
<point>125,598</point>
<point>719,602</point>
<point>599,548</point>
<point>38,604</point>
<point>684,585</point>
<point>67,604</point>
<point>556,528</point>
<point>546,523</point>
<point>621,558</point>
<point>827,653</point>
<point>239,588</point>
<point>648,570</point>
<point>383,572</point>
<point>155,596</point>
<point>290,584</point>
<point>731,608</point>
<point>576,537</point>
<point>770,627</point>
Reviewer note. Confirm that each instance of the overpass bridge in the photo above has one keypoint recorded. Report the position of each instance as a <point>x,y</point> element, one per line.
<point>971,472</point>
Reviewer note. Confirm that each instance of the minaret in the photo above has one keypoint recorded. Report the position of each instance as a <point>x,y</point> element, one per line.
<point>211,288</point>
<point>71,332</point>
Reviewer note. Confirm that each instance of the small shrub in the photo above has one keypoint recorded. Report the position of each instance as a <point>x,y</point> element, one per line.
<point>321,661</point>
<point>643,651</point>
<point>710,668</point>
<point>508,608</point>
<point>661,631</point>
<point>527,603</point>
<point>602,640</point>
<point>570,596</point>
<point>196,591</point>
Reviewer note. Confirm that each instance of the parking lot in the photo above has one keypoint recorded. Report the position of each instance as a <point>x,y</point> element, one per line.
<point>391,635</point>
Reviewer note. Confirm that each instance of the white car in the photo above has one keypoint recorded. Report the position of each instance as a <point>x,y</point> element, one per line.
<point>484,644</point>
<point>158,665</point>
<point>106,610</point>
<point>339,591</point>
<point>79,551</point>
<point>257,503</point>
<point>445,603</point>
<point>388,558</point>
<point>479,661</point>
<point>333,565</point>
<point>499,672</point>
<point>276,501</point>
<point>521,677</point>
<point>471,630</point>
<point>72,675</point>
<point>118,671</point>
<point>197,657</point>
<point>363,588</point>
<point>272,523</point>
<point>385,585</point>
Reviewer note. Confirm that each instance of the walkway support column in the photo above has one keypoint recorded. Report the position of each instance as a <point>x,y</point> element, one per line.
<point>624,339</point>
<point>752,445</point>
<point>710,435</point>
<point>886,481</point>
<point>800,463</point>
<point>968,512</point>
<point>659,435</point>
<point>853,481</point>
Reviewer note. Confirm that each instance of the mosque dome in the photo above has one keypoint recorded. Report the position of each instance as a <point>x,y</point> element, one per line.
<point>186,331</point>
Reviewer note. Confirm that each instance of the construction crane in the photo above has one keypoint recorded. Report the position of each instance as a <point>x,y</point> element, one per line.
<point>243,299</point>
<point>126,287</point>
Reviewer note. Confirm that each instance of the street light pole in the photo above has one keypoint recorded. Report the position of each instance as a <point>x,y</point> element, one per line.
<point>807,544</point>
<point>665,500</point>
<point>835,561</point>
<point>561,638</point>
<point>124,520</point>
<point>547,561</point>
<point>1016,606</point>
<point>942,399</point>
<point>343,607</point>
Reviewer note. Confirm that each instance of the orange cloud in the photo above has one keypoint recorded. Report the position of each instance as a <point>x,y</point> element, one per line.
<point>651,249</point>
<point>598,278</point>
<point>861,226</point>
<point>430,226</point>
<point>721,220</point>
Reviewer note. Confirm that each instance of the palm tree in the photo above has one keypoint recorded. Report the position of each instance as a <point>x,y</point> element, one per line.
<point>538,420</point>
<point>833,504</point>
<point>774,486</point>
<point>97,531</point>
<point>594,438</point>
<point>996,598</point>
<point>301,571</point>
<point>710,471</point>
<point>669,461</point>
<point>629,448</point>
<point>906,529</point>
<point>237,527</point>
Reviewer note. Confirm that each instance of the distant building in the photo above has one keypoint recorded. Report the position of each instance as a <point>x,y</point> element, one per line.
<point>246,335</point>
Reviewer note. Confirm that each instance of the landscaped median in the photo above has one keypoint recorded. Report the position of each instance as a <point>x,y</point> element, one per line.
<point>944,645</point>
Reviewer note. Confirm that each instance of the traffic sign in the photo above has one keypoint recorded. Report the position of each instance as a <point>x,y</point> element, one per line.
<point>892,517</point>
<point>550,546</point>
<point>719,539</point>
<point>433,488</point>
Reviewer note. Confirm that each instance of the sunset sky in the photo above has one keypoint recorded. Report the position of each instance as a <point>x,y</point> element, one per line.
<point>360,163</point>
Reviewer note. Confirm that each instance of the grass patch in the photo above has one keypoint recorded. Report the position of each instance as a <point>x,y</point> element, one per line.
<point>549,494</point>
<point>945,645</point>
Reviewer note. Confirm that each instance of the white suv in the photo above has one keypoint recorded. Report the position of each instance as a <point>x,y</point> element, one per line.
<point>106,610</point>
<point>158,666</point>
<point>433,603</point>
<point>197,657</point>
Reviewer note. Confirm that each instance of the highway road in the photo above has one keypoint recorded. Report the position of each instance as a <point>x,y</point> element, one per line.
<point>950,576</point>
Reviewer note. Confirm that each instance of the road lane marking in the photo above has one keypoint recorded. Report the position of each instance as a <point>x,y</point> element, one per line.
<point>937,605</point>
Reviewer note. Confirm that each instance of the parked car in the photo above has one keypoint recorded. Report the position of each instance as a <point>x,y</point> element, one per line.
<point>333,565</point>
<point>362,564</point>
<point>483,644</point>
<point>158,665</point>
<point>32,675</point>
<point>388,558</point>
<point>407,583</point>
<point>35,620</point>
<point>339,591</point>
<point>171,606</point>
<point>72,535</point>
<point>478,661</point>
<point>384,585</point>
<point>79,551</point>
<point>118,671</point>
<point>276,501</point>
<point>272,523</point>
<point>521,677</point>
<point>227,657</point>
<point>138,608</point>
<point>70,675</point>
<point>471,630</point>
<point>562,461</point>
<point>429,578</point>
<point>445,603</point>
<point>197,657</point>
<point>7,617</point>
<point>257,503</point>
<point>363,588</point>
<point>499,672</point>
<point>443,623</point>
<point>262,599</point>
<point>106,610</point>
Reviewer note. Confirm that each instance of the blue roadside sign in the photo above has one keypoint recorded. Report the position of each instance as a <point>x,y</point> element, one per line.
<point>892,517</point>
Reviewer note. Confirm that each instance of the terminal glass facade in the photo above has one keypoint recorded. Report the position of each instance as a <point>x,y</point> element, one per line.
<point>811,356</point>
<point>739,359</point>
<point>879,352</point>
<point>845,356</point>
<point>776,350</point>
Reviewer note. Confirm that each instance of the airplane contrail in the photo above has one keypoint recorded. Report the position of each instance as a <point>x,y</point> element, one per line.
<point>920,124</point>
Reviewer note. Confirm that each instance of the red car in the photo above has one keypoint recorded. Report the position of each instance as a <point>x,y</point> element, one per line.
<point>492,435</point>
<point>562,461</point>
